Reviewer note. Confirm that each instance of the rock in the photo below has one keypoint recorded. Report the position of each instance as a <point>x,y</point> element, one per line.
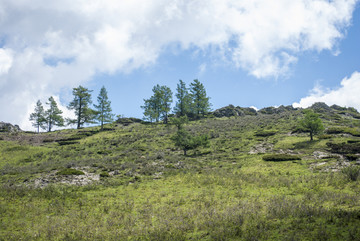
<point>231,110</point>
<point>128,121</point>
<point>321,107</point>
<point>277,110</point>
<point>7,127</point>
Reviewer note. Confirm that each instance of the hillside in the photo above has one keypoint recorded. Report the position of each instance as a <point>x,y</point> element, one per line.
<point>129,182</point>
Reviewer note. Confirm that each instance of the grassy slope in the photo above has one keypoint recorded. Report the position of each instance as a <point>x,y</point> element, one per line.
<point>217,193</point>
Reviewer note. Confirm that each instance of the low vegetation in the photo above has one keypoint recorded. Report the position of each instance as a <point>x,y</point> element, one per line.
<point>281,157</point>
<point>256,179</point>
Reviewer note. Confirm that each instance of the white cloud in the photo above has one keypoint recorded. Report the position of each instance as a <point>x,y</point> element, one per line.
<point>346,95</point>
<point>5,61</point>
<point>47,46</point>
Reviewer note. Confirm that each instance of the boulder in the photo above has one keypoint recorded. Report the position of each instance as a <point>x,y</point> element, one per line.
<point>231,110</point>
<point>7,127</point>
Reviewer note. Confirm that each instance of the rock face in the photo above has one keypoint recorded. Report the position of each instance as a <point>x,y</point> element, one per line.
<point>7,127</point>
<point>321,107</point>
<point>231,110</point>
<point>128,121</point>
<point>276,110</point>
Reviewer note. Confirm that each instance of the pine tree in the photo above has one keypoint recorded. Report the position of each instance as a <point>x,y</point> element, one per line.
<point>186,141</point>
<point>53,115</point>
<point>183,104</point>
<point>200,102</point>
<point>80,104</point>
<point>38,117</point>
<point>158,105</point>
<point>103,109</point>
<point>166,101</point>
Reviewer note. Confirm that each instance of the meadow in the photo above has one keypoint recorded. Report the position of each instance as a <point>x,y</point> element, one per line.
<point>129,182</point>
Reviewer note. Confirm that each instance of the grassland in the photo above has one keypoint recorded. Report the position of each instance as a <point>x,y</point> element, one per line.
<point>138,186</point>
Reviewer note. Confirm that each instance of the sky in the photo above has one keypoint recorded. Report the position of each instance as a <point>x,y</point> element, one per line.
<point>256,53</point>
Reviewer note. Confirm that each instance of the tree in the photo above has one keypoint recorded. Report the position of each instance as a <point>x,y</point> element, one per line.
<point>186,141</point>
<point>38,117</point>
<point>80,104</point>
<point>151,111</point>
<point>103,109</point>
<point>200,102</point>
<point>53,115</point>
<point>182,106</point>
<point>158,105</point>
<point>311,123</point>
<point>179,121</point>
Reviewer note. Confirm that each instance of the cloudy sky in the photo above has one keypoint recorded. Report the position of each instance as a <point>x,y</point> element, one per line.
<point>246,52</point>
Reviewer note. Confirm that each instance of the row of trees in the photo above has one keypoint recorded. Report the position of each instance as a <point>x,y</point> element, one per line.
<point>81,105</point>
<point>192,102</point>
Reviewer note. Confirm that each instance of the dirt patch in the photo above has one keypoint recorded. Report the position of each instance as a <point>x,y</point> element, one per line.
<point>34,139</point>
<point>261,148</point>
<point>329,166</point>
<point>79,180</point>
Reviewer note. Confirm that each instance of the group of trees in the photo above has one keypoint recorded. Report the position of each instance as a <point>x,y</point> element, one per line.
<point>81,105</point>
<point>192,102</point>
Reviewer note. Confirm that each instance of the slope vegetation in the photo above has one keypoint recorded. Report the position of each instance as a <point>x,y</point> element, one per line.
<point>260,179</point>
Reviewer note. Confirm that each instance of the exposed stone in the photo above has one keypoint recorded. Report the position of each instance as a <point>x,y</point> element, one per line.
<point>276,110</point>
<point>7,127</point>
<point>231,110</point>
<point>128,121</point>
<point>321,107</point>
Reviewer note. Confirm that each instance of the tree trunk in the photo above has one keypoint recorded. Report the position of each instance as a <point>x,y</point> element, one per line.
<point>311,135</point>
<point>79,114</point>
<point>184,152</point>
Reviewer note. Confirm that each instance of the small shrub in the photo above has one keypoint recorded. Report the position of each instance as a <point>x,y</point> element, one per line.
<point>63,143</point>
<point>351,172</point>
<point>70,171</point>
<point>353,141</point>
<point>265,133</point>
<point>344,148</point>
<point>351,157</point>
<point>104,174</point>
<point>343,130</point>
<point>324,137</point>
<point>280,157</point>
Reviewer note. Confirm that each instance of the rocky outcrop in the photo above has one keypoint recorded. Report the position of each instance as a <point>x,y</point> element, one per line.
<point>128,121</point>
<point>231,110</point>
<point>276,110</point>
<point>7,127</point>
<point>321,107</point>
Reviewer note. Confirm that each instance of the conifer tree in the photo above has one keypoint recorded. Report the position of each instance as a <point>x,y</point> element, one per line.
<point>183,103</point>
<point>80,104</point>
<point>103,108</point>
<point>158,105</point>
<point>53,115</point>
<point>200,102</point>
<point>184,139</point>
<point>38,117</point>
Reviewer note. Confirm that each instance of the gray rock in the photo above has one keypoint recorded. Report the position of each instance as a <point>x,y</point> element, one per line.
<point>7,127</point>
<point>231,110</point>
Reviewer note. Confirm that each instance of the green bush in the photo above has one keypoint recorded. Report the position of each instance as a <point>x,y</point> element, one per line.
<point>344,148</point>
<point>265,133</point>
<point>104,174</point>
<point>343,130</point>
<point>324,137</point>
<point>351,172</point>
<point>351,157</point>
<point>70,171</point>
<point>64,143</point>
<point>280,157</point>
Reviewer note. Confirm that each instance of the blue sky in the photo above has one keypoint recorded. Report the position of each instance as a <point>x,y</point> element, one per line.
<point>246,53</point>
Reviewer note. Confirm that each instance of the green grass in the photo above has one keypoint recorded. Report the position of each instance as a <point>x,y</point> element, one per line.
<point>148,190</point>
